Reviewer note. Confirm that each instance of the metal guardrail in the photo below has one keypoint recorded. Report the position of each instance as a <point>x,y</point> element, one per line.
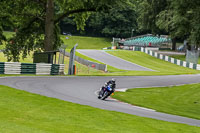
<point>88,63</point>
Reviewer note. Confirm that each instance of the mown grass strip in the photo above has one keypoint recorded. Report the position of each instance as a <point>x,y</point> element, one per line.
<point>86,42</point>
<point>179,100</point>
<point>161,67</point>
<point>24,112</point>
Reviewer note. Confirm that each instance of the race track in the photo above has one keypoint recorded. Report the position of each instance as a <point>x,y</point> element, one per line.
<point>82,90</point>
<point>111,60</point>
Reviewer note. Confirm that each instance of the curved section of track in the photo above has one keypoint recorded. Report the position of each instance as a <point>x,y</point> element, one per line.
<point>81,90</point>
<point>111,60</point>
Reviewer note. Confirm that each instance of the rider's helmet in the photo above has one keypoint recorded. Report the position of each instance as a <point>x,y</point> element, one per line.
<point>113,80</point>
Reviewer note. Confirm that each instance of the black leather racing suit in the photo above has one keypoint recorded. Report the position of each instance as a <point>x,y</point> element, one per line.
<point>113,85</point>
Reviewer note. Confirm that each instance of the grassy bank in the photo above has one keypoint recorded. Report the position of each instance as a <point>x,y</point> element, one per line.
<point>161,67</point>
<point>83,41</point>
<point>22,112</point>
<point>86,42</point>
<point>179,100</point>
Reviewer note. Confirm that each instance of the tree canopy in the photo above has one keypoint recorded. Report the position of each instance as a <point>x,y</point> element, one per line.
<point>36,21</point>
<point>118,21</point>
<point>178,18</point>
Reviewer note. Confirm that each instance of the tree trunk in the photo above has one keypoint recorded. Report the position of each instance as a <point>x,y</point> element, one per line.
<point>173,43</point>
<point>49,26</point>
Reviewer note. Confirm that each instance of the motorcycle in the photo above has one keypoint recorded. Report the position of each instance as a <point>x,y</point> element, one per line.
<point>105,92</point>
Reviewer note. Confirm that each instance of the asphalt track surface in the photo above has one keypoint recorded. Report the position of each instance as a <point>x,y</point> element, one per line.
<point>82,90</point>
<point>111,60</point>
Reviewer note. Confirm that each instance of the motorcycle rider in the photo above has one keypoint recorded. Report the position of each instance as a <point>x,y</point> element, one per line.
<point>111,83</point>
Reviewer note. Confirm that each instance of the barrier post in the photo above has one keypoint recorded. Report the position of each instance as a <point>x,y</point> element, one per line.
<point>71,60</point>
<point>74,69</point>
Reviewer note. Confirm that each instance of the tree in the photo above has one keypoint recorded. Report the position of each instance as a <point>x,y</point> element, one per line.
<point>181,19</point>
<point>37,21</point>
<point>147,12</point>
<point>118,22</point>
<point>165,22</point>
<point>190,10</point>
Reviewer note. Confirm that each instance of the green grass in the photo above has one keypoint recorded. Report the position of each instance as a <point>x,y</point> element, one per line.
<point>83,42</point>
<point>161,67</point>
<point>86,42</point>
<point>181,57</point>
<point>82,69</point>
<point>23,112</point>
<point>179,100</point>
<point>29,58</point>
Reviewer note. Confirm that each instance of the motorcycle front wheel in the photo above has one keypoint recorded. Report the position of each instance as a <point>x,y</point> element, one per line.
<point>106,94</point>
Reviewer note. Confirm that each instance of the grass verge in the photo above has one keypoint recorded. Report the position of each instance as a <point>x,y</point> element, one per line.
<point>24,112</point>
<point>81,69</point>
<point>86,42</point>
<point>28,59</point>
<point>161,67</point>
<point>179,100</point>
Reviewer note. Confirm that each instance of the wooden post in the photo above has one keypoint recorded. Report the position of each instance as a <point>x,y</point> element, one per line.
<point>75,69</point>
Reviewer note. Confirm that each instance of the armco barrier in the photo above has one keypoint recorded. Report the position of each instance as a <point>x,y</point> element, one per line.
<point>89,63</point>
<point>28,68</point>
<point>2,68</point>
<point>170,59</point>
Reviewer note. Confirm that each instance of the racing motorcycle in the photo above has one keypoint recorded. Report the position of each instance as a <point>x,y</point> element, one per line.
<point>105,92</point>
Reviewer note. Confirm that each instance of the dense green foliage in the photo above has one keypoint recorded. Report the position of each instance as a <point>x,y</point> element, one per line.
<point>148,11</point>
<point>111,18</point>
<point>117,22</point>
<point>179,18</point>
<point>24,112</point>
<point>36,22</point>
<point>179,100</point>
